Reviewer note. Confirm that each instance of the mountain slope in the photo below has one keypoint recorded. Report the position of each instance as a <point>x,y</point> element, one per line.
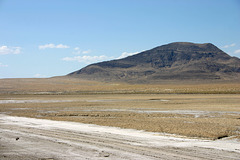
<point>175,61</point>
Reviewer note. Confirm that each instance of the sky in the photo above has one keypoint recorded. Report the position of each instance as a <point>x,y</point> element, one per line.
<point>45,38</point>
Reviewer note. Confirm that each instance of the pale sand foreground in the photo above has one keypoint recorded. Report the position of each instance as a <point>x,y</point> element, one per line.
<point>29,138</point>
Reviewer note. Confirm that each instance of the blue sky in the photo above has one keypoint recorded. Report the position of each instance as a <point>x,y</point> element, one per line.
<point>45,38</point>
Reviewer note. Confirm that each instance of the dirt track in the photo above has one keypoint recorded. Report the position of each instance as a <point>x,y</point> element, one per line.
<point>45,139</point>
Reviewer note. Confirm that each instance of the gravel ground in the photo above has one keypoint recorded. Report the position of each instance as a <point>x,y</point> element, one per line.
<point>28,138</point>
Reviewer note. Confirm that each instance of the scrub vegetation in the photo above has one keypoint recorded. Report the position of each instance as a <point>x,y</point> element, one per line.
<point>208,111</point>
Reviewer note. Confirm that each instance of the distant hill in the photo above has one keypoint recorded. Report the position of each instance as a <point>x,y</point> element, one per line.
<point>174,61</point>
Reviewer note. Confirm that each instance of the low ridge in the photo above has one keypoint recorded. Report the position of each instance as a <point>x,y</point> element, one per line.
<point>174,61</point>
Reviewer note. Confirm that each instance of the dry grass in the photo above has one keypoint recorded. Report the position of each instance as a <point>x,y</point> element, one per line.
<point>78,86</point>
<point>194,115</point>
<point>193,109</point>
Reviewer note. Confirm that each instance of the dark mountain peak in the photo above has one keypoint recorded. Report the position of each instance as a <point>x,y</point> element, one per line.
<point>189,46</point>
<point>178,60</point>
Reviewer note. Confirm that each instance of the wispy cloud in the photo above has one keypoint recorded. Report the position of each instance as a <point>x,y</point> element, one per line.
<point>39,76</point>
<point>230,45</point>
<point>87,59</point>
<point>9,50</point>
<point>237,51</point>
<point>77,50</point>
<point>86,52</point>
<point>126,54</point>
<point>50,45</point>
<point>3,65</point>
<point>93,59</point>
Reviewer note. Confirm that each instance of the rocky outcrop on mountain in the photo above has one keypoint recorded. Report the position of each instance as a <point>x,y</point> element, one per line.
<point>174,61</point>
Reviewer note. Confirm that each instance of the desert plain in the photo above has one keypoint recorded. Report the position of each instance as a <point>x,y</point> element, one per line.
<point>199,117</point>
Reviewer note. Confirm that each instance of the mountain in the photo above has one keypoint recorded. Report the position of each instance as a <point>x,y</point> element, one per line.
<point>174,61</point>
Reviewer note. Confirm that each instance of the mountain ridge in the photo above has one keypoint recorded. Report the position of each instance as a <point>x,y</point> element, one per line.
<point>173,61</point>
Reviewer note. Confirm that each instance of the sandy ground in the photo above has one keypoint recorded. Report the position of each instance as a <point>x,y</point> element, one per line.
<point>32,101</point>
<point>192,115</point>
<point>28,138</point>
